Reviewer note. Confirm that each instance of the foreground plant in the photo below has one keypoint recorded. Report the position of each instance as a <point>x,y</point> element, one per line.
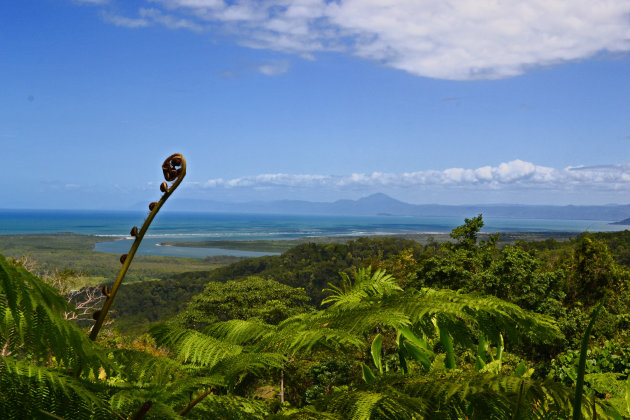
<point>174,169</point>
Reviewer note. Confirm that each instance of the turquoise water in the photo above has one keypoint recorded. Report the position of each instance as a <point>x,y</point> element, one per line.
<point>174,226</point>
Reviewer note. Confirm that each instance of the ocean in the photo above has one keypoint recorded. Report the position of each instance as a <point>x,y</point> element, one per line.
<point>181,226</point>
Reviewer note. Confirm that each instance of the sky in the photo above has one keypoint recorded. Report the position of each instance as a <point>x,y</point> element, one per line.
<point>428,101</point>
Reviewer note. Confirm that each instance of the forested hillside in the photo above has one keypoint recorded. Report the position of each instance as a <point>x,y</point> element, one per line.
<point>371,329</point>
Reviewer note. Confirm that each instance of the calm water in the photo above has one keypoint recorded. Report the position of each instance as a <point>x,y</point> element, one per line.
<point>173,226</point>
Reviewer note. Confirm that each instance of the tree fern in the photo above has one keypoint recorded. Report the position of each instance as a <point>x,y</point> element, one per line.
<point>492,316</point>
<point>304,413</point>
<point>299,334</point>
<point>478,396</point>
<point>192,346</point>
<point>31,322</point>
<point>365,285</point>
<point>27,388</point>
<point>230,407</point>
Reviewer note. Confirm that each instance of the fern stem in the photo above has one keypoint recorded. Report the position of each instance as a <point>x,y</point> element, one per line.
<point>51,415</point>
<point>282,386</point>
<point>579,386</point>
<point>195,402</point>
<point>519,401</point>
<point>143,410</point>
<point>171,173</point>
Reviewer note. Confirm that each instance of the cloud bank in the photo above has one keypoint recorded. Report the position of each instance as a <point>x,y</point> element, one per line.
<point>444,39</point>
<point>516,174</point>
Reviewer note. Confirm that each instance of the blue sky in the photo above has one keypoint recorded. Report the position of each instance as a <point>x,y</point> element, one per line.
<point>430,102</point>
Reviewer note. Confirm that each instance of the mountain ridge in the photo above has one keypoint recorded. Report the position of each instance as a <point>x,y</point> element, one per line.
<point>381,204</point>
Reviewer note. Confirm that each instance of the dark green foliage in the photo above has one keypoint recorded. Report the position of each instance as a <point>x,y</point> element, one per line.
<point>142,303</point>
<point>252,297</point>
<point>606,356</point>
<point>327,375</point>
<point>311,266</point>
<point>466,234</point>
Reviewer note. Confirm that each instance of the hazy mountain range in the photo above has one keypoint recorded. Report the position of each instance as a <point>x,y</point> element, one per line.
<point>383,205</point>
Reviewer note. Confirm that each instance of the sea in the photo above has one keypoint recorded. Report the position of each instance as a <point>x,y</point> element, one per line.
<point>186,226</point>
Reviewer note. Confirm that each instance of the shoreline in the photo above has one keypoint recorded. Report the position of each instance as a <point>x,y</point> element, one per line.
<point>162,246</point>
<point>281,245</point>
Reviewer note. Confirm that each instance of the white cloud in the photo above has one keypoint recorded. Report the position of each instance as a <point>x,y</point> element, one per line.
<point>274,68</point>
<point>515,174</point>
<point>446,39</point>
<point>125,21</point>
<point>170,21</point>
<point>150,17</point>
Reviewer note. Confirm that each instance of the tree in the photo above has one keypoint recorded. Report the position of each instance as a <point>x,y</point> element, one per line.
<point>466,234</point>
<point>252,297</point>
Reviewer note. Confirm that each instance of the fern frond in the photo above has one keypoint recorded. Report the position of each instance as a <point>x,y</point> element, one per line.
<point>365,285</point>
<point>299,334</point>
<point>230,407</point>
<point>356,318</point>
<point>487,313</point>
<point>143,368</point>
<point>304,413</point>
<point>31,322</point>
<point>129,402</point>
<point>26,388</point>
<point>192,346</point>
<point>239,332</point>
<point>362,404</point>
<point>479,396</point>
<point>234,368</point>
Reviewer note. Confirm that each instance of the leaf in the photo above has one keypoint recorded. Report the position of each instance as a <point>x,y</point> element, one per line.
<point>377,345</point>
<point>500,348</point>
<point>579,383</point>
<point>492,367</point>
<point>481,353</point>
<point>447,343</point>
<point>368,375</point>
<point>418,354</point>
<point>418,341</point>
<point>520,370</point>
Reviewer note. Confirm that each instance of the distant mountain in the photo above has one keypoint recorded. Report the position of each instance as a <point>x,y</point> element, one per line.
<point>622,222</point>
<point>382,204</point>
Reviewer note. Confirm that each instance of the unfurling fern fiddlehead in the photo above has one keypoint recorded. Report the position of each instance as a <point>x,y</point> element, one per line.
<point>174,168</point>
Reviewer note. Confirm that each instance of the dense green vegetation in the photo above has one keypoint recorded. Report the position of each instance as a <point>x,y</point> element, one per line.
<point>257,245</point>
<point>380,328</point>
<point>282,245</point>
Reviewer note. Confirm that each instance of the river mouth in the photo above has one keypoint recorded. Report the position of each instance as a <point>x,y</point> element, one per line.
<point>151,246</point>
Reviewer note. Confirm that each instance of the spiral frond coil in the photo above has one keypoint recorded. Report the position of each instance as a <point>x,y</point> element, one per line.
<point>174,170</point>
